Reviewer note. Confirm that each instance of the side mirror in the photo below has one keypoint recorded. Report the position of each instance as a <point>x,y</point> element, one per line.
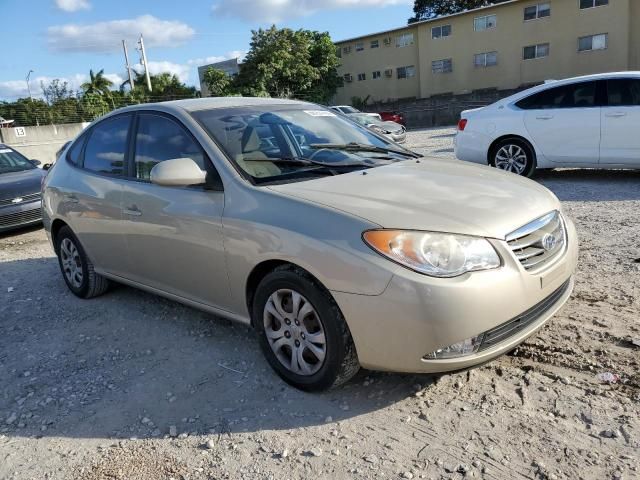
<point>36,162</point>
<point>180,172</point>
<point>47,166</point>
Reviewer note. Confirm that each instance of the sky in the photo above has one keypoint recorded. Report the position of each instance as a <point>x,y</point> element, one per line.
<point>65,38</point>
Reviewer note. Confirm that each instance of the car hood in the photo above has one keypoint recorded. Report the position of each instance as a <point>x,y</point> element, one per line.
<point>16,184</point>
<point>432,194</point>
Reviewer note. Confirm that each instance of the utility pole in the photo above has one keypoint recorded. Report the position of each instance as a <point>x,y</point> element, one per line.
<point>29,84</point>
<point>144,62</point>
<point>126,58</point>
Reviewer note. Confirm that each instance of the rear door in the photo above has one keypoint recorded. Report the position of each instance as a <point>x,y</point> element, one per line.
<point>621,123</point>
<point>174,234</point>
<point>92,198</point>
<point>564,122</point>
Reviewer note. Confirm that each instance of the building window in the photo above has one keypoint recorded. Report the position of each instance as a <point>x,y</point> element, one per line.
<point>375,44</point>
<point>348,78</point>
<point>535,51</point>
<point>387,41</point>
<point>359,46</point>
<point>406,72</point>
<point>593,42</point>
<point>404,40</point>
<point>441,31</point>
<point>488,59</point>
<point>346,49</point>
<point>442,66</point>
<point>362,76</point>
<point>484,23</point>
<point>376,74</point>
<point>339,52</point>
<point>542,10</point>
<point>592,3</point>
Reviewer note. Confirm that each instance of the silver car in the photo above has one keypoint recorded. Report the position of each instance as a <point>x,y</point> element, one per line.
<point>340,248</point>
<point>392,130</point>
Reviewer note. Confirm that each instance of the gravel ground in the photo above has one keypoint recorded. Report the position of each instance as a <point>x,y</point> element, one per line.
<point>131,386</point>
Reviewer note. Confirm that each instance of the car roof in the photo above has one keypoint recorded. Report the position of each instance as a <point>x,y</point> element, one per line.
<point>208,103</point>
<point>566,81</point>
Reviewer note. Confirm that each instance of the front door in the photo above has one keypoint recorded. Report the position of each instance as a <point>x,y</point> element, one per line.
<point>564,123</point>
<point>174,234</point>
<point>620,121</point>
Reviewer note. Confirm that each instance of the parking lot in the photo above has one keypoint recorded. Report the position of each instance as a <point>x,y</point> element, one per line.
<point>133,386</point>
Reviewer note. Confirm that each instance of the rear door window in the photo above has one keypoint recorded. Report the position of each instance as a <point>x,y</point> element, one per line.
<point>107,146</point>
<point>159,138</point>
<point>577,95</point>
<point>623,92</point>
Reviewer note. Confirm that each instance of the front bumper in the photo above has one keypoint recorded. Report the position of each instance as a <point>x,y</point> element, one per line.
<point>417,314</point>
<point>20,215</point>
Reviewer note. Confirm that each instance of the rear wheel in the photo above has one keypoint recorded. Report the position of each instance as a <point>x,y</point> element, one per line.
<point>302,331</point>
<point>77,270</point>
<point>514,155</point>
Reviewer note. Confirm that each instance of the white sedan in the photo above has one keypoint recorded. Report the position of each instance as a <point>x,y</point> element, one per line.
<point>591,121</point>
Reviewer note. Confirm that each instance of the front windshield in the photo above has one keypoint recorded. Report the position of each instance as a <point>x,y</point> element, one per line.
<point>293,142</point>
<point>349,110</point>
<point>12,161</point>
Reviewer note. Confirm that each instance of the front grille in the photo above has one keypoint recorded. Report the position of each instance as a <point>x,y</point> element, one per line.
<point>512,327</point>
<point>20,218</point>
<point>25,198</point>
<point>540,242</point>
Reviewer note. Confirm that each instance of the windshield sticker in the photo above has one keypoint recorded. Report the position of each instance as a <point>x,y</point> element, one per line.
<point>5,150</point>
<point>319,113</point>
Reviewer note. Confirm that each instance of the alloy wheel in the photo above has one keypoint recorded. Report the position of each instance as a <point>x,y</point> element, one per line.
<point>71,262</point>
<point>512,158</point>
<point>295,332</point>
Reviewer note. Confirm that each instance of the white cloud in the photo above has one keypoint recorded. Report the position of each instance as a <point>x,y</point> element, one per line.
<point>72,5</point>
<point>217,58</point>
<point>274,11</point>
<point>107,36</point>
<point>178,69</point>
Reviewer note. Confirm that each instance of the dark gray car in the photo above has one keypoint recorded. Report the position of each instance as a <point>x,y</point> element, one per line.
<point>20,179</point>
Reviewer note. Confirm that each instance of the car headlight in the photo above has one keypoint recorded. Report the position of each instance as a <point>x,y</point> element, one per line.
<point>432,253</point>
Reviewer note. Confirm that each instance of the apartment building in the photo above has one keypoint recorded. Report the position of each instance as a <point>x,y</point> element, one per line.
<point>504,46</point>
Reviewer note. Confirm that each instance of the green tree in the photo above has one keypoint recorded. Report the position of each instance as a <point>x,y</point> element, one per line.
<point>164,86</point>
<point>218,82</point>
<point>56,90</point>
<point>93,105</point>
<point>287,63</point>
<point>426,9</point>
<point>97,83</point>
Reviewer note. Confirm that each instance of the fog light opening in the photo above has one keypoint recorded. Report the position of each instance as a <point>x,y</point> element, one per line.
<point>463,348</point>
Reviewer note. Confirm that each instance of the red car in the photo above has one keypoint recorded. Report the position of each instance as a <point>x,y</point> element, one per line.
<point>393,117</point>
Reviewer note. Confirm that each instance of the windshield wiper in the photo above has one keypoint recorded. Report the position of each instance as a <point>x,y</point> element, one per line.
<point>306,161</point>
<point>363,147</point>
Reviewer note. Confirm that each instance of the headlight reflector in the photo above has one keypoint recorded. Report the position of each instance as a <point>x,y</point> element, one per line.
<point>432,253</point>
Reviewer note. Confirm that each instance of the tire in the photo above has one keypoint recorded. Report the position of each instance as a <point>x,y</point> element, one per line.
<point>294,355</point>
<point>514,155</point>
<point>77,270</point>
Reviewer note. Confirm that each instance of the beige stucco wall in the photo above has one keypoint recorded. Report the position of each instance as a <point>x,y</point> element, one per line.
<point>380,59</point>
<point>561,30</point>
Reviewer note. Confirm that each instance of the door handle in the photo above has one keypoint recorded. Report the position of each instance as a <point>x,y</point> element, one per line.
<point>71,198</point>
<point>615,114</point>
<point>544,117</point>
<point>133,211</point>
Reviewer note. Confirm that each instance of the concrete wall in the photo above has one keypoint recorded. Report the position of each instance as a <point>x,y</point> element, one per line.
<point>41,143</point>
<point>620,20</point>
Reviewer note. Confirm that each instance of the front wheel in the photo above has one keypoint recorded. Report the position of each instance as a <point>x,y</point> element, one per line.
<point>514,155</point>
<point>302,331</point>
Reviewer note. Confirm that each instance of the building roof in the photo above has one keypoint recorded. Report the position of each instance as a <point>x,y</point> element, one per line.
<point>429,20</point>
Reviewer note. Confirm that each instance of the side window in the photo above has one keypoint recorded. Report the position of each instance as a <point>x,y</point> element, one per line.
<point>73,155</point>
<point>158,139</point>
<point>579,95</point>
<point>107,146</point>
<point>624,92</point>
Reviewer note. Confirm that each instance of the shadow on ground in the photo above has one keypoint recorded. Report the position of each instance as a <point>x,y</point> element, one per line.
<point>592,185</point>
<point>132,364</point>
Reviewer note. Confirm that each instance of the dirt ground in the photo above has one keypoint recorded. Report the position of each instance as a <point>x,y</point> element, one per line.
<point>131,386</point>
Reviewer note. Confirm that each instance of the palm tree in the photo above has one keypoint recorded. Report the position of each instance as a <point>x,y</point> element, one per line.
<point>99,84</point>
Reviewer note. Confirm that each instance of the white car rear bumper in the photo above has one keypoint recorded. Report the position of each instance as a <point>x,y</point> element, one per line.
<point>472,146</point>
